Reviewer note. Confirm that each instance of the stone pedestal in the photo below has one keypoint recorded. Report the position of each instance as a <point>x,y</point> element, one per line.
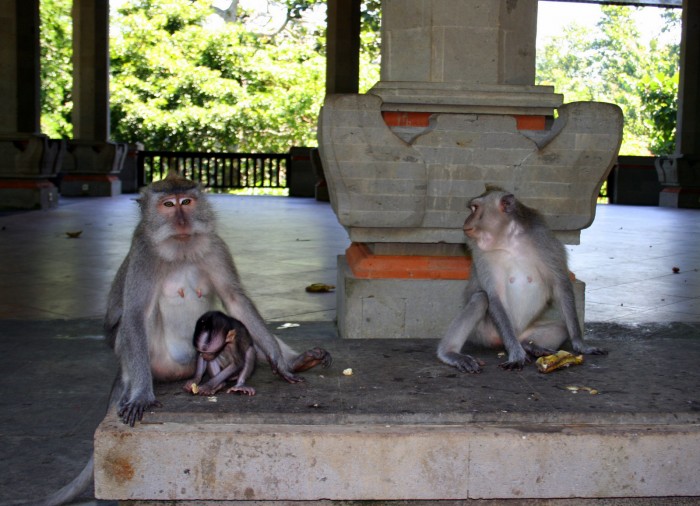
<point>403,307</point>
<point>456,110</point>
<point>92,169</point>
<point>28,162</point>
<point>680,176</point>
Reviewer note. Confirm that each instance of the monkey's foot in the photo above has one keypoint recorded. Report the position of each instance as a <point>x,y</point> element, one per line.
<point>132,411</point>
<point>514,365</point>
<point>311,358</point>
<point>589,350</point>
<point>536,350</point>
<point>245,390</point>
<point>463,363</point>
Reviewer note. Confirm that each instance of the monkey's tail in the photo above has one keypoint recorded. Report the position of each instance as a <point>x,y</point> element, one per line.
<point>73,489</point>
<point>82,481</point>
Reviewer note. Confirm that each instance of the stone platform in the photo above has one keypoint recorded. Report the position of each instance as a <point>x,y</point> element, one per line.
<point>404,426</point>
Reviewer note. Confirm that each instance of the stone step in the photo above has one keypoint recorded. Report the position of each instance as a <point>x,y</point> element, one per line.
<point>404,426</point>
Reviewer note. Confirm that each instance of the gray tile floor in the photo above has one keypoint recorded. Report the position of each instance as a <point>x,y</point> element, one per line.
<point>53,291</point>
<point>283,244</point>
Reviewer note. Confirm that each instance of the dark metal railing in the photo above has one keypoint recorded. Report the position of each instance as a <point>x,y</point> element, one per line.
<point>217,170</point>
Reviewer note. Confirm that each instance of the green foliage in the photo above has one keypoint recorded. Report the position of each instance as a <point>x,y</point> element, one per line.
<point>181,83</point>
<point>611,64</point>
<point>56,68</point>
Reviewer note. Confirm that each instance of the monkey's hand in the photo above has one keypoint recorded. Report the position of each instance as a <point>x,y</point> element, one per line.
<point>463,363</point>
<point>588,350</point>
<point>243,389</point>
<point>311,358</point>
<point>287,376</point>
<point>517,357</point>
<point>132,411</point>
<point>187,387</point>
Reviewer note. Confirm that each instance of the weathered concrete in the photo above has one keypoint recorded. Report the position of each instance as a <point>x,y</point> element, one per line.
<point>385,190</point>
<point>404,426</point>
<point>468,41</point>
<point>394,308</point>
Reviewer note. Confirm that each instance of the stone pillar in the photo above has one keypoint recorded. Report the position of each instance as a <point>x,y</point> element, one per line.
<point>27,158</point>
<point>680,173</point>
<point>93,162</point>
<point>343,46</point>
<point>456,109</point>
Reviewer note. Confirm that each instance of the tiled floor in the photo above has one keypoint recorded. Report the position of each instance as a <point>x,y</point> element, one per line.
<point>283,244</point>
<point>57,373</point>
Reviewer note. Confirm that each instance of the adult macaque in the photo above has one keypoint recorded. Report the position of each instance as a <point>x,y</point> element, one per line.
<point>225,351</point>
<point>518,267</point>
<point>177,269</point>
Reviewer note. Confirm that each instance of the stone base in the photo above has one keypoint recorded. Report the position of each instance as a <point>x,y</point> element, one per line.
<point>185,461</point>
<point>90,185</point>
<point>406,308</point>
<point>27,194</point>
<point>680,198</point>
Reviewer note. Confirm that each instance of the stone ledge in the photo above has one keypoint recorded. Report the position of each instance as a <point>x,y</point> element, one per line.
<point>187,460</point>
<point>405,426</point>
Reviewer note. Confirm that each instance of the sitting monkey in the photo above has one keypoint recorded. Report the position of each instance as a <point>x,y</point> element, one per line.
<point>225,351</point>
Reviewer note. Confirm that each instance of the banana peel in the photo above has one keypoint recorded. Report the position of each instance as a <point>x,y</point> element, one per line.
<point>560,359</point>
<point>320,288</point>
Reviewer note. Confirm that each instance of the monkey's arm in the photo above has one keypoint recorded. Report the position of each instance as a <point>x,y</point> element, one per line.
<point>449,349</point>
<point>564,293</point>
<point>114,305</point>
<point>224,277</point>
<point>216,382</point>
<point>516,353</point>
<point>199,373</point>
<point>131,341</point>
<point>245,373</point>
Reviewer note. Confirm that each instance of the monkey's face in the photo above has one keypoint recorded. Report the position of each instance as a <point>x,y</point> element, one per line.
<point>209,344</point>
<point>489,219</point>
<point>178,210</point>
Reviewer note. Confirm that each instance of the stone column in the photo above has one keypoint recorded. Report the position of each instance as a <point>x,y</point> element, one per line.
<point>456,109</point>
<point>93,162</point>
<point>343,46</point>
<point>27,158</point>
<point>680,173</point>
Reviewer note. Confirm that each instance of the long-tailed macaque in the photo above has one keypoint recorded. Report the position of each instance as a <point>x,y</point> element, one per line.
<point>226,351</point>
<point>177,269</point>
<point>518,267</point>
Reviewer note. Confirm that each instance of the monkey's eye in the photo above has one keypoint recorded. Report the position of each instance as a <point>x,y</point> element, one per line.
<point>473,208</point>
<point>185,202</point>
<point>168,203</point>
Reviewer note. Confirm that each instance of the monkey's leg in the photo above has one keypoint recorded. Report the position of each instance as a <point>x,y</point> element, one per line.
<point>543,338</point>
<point>311,358</point>
<point>450,347</point>
<point>564,293</point>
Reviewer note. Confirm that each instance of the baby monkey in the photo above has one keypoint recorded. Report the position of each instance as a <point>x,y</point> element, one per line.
<point>225,350</point>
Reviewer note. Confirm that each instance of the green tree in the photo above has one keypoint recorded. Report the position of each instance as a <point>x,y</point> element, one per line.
<point>611,64</point>
<point>180,84</point>
<point>56,68</point>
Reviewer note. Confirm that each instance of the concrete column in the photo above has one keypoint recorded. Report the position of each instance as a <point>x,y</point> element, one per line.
<point>459,41</point>
<point>27,158</point>
<point>91,70</point>
<point>93,163</point>
<point>456,109</point>
<point>343,46</point>
<point>681,172</point>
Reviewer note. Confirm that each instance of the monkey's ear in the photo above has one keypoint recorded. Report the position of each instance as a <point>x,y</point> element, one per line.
<point>231,336</point>
<point>507,203</point>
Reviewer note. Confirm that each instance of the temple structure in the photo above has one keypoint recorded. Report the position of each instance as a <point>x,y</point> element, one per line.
<point>456,110</point>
